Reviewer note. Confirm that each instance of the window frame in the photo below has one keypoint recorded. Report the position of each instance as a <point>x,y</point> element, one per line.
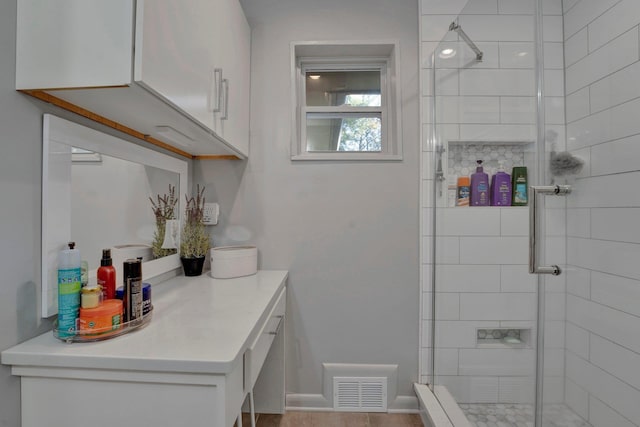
<point>312,57</point>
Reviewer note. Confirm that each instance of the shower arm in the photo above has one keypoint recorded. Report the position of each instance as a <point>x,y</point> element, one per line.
<point>458,29</point>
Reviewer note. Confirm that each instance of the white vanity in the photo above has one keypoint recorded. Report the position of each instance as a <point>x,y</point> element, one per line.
<point>209,344</point>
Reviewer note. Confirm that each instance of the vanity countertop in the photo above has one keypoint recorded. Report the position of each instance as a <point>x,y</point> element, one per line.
<point>199,325</point>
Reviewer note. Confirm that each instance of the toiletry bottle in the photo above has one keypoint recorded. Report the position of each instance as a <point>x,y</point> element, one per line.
<point>479,187</point>
<point>69,283</point>
<point>132,286</point>
<point>464,187</point>
<point>519,185</point>
<point>452,191</point>
<point>501,188</point>
<point>107,275</point>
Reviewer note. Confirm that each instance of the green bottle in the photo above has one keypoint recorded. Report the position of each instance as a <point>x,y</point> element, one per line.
<point>519,186</point>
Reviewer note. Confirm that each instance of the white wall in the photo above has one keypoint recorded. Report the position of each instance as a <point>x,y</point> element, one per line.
<point>481,253</point>
<point>346,231</point>
<point>603,314</point>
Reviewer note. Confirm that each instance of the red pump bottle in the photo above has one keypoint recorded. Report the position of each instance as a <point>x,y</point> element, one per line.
<point>107,275</point>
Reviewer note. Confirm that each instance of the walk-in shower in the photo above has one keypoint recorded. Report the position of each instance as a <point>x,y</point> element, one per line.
<point>513,348</point>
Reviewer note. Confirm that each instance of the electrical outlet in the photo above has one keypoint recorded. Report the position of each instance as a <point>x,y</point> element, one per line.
<point>211,212</point>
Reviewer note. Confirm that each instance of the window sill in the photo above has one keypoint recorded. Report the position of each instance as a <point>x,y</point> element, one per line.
<point>338,156</point>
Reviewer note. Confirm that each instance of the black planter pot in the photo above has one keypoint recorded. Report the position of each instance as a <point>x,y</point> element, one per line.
<point>192,266</point>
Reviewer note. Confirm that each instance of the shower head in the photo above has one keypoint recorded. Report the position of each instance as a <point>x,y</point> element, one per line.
<point>458,29</point>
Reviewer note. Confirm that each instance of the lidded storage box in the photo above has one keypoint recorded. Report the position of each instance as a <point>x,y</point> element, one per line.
<point>233,261</point>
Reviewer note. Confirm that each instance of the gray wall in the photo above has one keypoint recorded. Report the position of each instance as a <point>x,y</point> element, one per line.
<point>348,232</point>
<point>20,160</point>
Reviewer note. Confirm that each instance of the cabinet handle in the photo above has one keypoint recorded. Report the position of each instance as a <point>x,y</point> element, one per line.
<point>277,331</point>
<point>556,190</point>
<point>225,83</point>
<point>216,91</point>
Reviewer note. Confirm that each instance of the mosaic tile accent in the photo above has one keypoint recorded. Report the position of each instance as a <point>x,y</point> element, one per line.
<point>462,157</point>
<point>519,415</point>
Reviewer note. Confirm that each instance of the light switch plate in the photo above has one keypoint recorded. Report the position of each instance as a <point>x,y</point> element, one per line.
<point>211,213</point>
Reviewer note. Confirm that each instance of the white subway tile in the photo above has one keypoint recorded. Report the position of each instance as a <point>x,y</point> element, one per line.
<point>468,278</point>
<point>514,221</point>
<point>427,109</point>
<point>426,75</point>
<point>578,282</point>
<point>553,362</point>
<point>603,415</point>
<point>465,221</point>
<point>555,250</point>
<point>516,28</point>
<point>447,305</point>
<point>493,250</point>
<point>577,399</point>
<point>465,57</point>
<point>516,390</point>
<point>468,109</point>
<point>583,13</point>
<point>607,191</point>
<point>568,4</point>
<point>471,389</point>
<point>553,390</point>
<point>554,110</point>
<point>497,82</point>
<point>518,109</point>
<point>553,56</point>
<point>583,154</point>
<point>578,104</point>
<point>617,326</point>
<point>498,306</point>
<point>434,27</point>
<point>579,223</point>
<point>480,7</point>
<point>577,339</point>
<point>618,361</point>
<point>552,29</point>
<point>497,362</point>
<point>448,132</point>
<point>427,49</point>
<point>616,157</point>
<point>446,360</point>
<point>500,132</point>
<point>608,257</point>
<point>552,7</point>
<point>554,334</point>
<point>554,82</point>
<point>516,278</point>
<point>612,23</point>
<point>619,87</point>
<point>447,82</point>
<point>616,292</point>
<point>554,306</point>
<point>459,334</point>
<point>516,7</point>
<point>555,222</point>
<point>447,250</point>
<point>427,161</point>
<point>610,58</point>
<point>517,55</point>
<point>605,387</point>
<point>576,47</point>
<point>619,224</point>
<point>442,7</point>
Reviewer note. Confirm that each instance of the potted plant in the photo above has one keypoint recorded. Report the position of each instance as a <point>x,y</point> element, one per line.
<point>194,242</point>
<point>164,210</point>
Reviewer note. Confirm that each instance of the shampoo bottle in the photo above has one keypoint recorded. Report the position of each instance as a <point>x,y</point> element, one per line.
<point>501,188</point>
<point>519,184</point>
<point>463,191</point>
<point>107,275</point>
<point>479,187</point>
<point>69,283</point>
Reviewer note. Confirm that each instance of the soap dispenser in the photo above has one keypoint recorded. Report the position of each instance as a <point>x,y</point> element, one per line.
<point>501,188</point>
<point>479,187</point>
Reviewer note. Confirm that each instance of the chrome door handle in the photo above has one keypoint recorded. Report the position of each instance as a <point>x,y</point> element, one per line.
<point>225,83</point>
<point>534,190</point>
<point>216,90</point>
<point>277,331</point>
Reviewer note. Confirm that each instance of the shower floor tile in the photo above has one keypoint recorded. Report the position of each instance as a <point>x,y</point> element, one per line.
<point>519,415</point>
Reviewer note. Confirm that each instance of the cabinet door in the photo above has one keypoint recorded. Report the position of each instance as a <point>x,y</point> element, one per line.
<point>234,58</point>
<point>174,53</point>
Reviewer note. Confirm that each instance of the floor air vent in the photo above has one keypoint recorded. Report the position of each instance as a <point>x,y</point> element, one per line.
<point>360,394</point>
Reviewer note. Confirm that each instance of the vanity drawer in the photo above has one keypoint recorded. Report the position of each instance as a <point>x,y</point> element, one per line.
<point>255,356</point>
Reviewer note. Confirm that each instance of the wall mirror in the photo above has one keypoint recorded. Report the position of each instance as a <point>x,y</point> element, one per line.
<point>95,192</point>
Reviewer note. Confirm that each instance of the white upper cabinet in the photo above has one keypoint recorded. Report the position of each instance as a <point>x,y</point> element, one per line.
<point>173,72</point>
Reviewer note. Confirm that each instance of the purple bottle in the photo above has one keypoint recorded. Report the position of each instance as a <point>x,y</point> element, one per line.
<point>501,188</point>
<point>479,187</point>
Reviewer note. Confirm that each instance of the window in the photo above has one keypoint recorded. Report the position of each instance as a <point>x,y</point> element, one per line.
<point>345,103</point>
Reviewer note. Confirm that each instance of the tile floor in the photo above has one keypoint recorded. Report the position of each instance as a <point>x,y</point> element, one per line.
<point>519,415</point>
<point>334,419</point>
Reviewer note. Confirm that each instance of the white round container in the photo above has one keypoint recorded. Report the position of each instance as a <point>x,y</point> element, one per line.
<point>233,261</point>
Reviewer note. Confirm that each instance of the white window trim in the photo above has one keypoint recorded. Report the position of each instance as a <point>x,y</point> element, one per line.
<point>347,56</point>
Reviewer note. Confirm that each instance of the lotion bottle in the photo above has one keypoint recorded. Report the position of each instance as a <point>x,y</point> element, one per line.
<point>479,187</point>
<point>501,188</point>
<point>107,275</point>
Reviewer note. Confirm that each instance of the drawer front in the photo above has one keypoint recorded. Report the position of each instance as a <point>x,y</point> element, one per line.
<point>257,353</point>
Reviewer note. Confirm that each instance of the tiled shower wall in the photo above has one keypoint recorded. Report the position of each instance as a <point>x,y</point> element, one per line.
<point>481,255</point>
<point>603,127</point>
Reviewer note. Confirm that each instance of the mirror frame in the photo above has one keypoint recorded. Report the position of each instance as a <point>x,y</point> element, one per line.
<point>69,133</point>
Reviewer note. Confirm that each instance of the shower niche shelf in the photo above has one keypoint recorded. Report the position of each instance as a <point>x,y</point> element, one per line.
<point>503,337</point>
